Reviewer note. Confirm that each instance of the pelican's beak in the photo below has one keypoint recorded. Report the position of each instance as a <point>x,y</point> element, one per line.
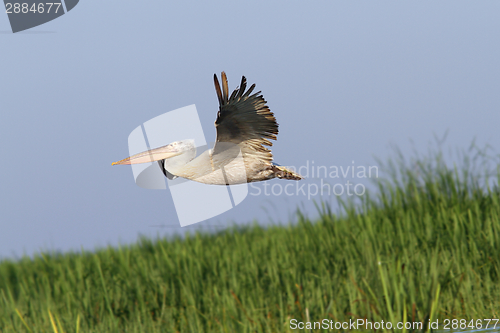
<point>151,155</point>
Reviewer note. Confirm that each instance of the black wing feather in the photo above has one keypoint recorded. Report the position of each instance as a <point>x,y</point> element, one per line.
<point>244,119</point>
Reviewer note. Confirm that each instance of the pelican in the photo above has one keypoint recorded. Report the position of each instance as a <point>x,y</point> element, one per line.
<point>244,126</point>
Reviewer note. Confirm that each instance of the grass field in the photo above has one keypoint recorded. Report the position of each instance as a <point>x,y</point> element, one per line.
<point>425,246</point>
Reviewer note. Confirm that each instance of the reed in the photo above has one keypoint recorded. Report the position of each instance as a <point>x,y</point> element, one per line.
<point>424,247</point>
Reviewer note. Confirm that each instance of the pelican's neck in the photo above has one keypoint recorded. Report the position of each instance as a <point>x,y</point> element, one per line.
<point>176,164</point>
<point>208,168</point>
<point>193,168</point>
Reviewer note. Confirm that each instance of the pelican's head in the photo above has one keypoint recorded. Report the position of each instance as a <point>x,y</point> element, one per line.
<point>175,154</point>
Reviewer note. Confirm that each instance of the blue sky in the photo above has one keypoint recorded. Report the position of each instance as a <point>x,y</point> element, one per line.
<point>345,79</point>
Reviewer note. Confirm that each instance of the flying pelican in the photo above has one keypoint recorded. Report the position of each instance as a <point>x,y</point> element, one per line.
<point>244,126</point>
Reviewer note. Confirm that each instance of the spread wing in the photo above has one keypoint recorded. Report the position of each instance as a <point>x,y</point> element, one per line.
<point>244,119</point>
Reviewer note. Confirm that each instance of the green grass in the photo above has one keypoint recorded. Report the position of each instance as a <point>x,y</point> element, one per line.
<point>426,245</point>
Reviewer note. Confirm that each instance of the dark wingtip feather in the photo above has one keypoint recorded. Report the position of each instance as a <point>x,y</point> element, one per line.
<point>233,95</point>
<point>249,91</point>
<point>217,89</point>
<point>225,90</point>
<point>243,86</point>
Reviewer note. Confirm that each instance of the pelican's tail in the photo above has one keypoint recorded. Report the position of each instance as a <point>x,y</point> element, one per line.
<point>284,173</point>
